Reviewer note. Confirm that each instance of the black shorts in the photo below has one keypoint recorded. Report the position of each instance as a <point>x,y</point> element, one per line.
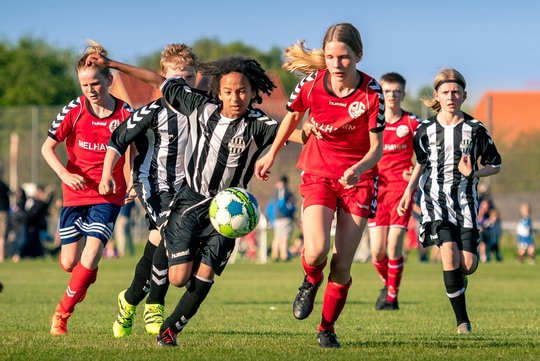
<point>437,233</point>
<point>189,235</point>
<point>156,205</point>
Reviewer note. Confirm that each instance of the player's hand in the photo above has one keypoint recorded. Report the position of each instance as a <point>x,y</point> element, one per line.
<point>131,194</point>
<point>407,174</point>
<point>465,165</point>
<point>74,181</point>
<point>98,59</point>
<point>349,178</point>
<point>309,129</point>
<point>107,185</point>
<point>404,203</point>
<point>262,167</point>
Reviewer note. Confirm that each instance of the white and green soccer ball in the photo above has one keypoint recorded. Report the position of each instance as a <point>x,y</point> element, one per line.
<point>234,212</point>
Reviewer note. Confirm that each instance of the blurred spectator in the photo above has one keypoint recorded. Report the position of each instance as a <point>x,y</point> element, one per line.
<point>490,231</point>
<point>122,231</point>
<point>4,211</point>
<point>284,209</point>
<point>525,239</point>
<point>35,221</point>
<point>17,226</point>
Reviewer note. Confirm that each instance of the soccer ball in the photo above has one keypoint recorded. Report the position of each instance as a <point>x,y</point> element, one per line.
<point>234,212</point>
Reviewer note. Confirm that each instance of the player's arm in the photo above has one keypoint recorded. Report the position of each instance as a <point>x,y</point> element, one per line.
<point>409,190</point>
<point>107,185</point>
<point>148,76</point>
<point>48,150</point>
<point>286,128</point>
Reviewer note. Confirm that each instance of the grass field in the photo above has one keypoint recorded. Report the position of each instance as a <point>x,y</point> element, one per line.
<point>247,316</point>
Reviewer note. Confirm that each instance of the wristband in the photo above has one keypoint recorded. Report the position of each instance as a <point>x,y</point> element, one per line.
<point>304,137</point>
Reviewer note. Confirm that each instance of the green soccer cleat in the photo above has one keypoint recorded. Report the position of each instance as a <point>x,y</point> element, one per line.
<point>153,317</point>
<point>124,320</point>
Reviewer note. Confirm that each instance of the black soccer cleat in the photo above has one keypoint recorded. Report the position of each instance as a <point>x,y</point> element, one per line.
<point>389,306</point>
<point>305,298</point>
<point>381,300</point>
<point>328,339</point>
<point>167,338</point>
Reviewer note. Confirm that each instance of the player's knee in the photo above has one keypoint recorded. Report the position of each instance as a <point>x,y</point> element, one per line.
<point>178,279</point>
<point>378,255</point>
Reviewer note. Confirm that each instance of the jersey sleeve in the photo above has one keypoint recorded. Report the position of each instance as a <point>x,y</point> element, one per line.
<point>299,100</point>
<point>487,149</point>
<point>136,124</point>
<point>265,128</point>
<point>181,97</point>
<point>420,146</point>
<point>61,116</point>
<point>376,116</point>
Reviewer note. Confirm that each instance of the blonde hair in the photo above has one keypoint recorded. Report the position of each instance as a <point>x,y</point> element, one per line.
<point>175,54</point>
<point>306,61</point>
<point>92,48</point>
<point>447,75</point>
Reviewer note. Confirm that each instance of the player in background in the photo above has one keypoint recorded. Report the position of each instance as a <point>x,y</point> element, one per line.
<point>387,230</point>
<point>524,233</point>
<point>160,136</point>
<point>448,148</point>
<point>85,129</point>
<point>346,108</point>
<point>226,134</point>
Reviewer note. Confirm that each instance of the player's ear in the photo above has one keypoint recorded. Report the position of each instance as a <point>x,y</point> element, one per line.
<point>464,95</point>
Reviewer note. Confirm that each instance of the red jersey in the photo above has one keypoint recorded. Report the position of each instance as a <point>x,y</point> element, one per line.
<point>398,151</point>
<point>345,123</point>
<point>86,137</point>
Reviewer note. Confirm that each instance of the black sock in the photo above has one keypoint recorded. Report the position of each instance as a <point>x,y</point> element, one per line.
<point>455,290</point>
<point>196,292</point>
<point>159,279</point>
<point>140,285</point>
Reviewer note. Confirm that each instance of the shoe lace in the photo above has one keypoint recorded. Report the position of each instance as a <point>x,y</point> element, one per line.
<point>153,313</point>
<point>168,337</point>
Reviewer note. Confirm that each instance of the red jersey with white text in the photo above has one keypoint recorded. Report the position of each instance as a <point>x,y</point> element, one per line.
<point>86,137</point>
<point>397,151</point>
<point>345,123</point>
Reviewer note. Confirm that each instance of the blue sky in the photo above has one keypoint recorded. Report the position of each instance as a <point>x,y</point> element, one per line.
<point>494,43</point>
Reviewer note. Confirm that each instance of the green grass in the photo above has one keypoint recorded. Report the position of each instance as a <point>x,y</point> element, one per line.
<point>247,316</point>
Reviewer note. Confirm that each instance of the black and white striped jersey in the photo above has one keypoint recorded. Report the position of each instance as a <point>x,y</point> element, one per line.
<point>446,194</point>
<point>160,136</point>
<point>220,152</point>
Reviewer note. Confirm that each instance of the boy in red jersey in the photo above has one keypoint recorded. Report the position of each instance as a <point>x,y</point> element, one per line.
<point>387,230</point>
<point>346,111</point>
<point>85,128</point>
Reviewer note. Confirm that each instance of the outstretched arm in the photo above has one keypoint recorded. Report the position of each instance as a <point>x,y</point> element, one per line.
<point>145,75</point>
<point>286,128</point>
<point>409,191</point>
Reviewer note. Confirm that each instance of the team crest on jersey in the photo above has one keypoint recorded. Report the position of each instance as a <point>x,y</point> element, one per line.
<point>465,146</point>
<point>402,131</point>
<point>356,109</point>
<point>114,124</point>
<point>237,145</point>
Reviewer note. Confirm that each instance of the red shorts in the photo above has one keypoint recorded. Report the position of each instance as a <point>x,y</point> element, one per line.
<point>328,192</point>
<point>387,216</point>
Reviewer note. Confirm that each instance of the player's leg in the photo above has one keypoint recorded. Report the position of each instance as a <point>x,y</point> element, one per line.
<point>349,229</point>
<point>453,279</point>
<point>316,227</point>
<point>96,222</point>
<point>140,285</point>
<point>213,258</point>
<point>396,237</point>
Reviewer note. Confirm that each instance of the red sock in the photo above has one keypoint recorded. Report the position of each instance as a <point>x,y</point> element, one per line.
<point>81,279</point>
<point>395,271</point>
<point>382,269</point>
<point>335,296</point>
<point>314,274</point>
